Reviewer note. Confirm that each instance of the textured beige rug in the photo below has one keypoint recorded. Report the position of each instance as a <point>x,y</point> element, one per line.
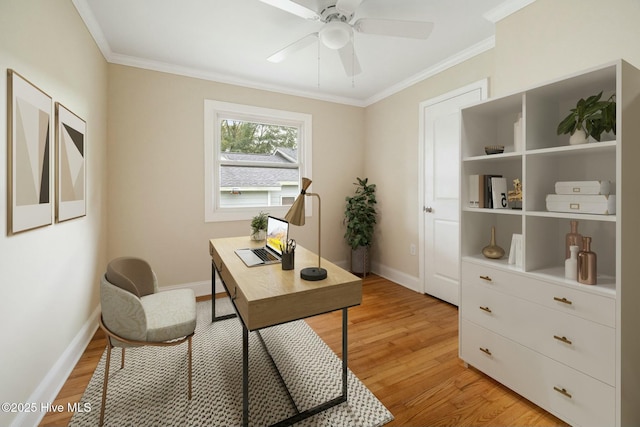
<point>151,390</point>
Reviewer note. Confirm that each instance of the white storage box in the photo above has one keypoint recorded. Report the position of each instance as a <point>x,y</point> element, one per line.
<point>583,187</point>
<point>587,204</point>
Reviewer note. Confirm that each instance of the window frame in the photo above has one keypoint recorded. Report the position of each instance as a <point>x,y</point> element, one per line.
<point>214,112</point>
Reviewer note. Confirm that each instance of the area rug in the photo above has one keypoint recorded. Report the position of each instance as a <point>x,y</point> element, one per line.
<point>151,390</point>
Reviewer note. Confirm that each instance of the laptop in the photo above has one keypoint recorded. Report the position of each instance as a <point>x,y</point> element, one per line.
<point>271,253</point>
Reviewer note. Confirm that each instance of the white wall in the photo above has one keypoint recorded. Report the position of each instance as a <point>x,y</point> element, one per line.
<point>49,276</point>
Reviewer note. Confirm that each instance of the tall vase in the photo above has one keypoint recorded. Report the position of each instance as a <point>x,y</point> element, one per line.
<point>572,238</point>
<point>493,251</point>
<point>587,262</point>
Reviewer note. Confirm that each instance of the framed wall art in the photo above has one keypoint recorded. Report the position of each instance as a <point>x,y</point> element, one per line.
<point>70,164</point>
<point>29,150</point>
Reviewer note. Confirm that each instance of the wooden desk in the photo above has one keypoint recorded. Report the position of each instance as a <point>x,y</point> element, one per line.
<point>266,296</point>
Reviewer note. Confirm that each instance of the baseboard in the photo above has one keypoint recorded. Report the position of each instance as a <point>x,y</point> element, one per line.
<point>397,276</point>
<point>52,383</point>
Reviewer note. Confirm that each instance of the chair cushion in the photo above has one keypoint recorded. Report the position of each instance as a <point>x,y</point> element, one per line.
<point>170,314</point>
<point>131,274</point>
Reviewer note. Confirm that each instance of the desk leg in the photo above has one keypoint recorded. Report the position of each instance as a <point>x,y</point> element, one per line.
<point>213,292</point>
<point>245,376</point>
<point>344,353</point>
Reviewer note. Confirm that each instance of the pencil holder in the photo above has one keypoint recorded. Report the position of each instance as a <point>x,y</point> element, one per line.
<point>288,260</point>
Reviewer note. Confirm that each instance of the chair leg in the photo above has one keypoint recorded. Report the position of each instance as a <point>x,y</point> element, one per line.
<point>104,384</point>
<point>190,364</point>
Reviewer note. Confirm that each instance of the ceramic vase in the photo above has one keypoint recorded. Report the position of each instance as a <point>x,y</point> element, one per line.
<point>587,263</point>
<point>492,250</point>
<point>578,137</point>
<point>571,264</point>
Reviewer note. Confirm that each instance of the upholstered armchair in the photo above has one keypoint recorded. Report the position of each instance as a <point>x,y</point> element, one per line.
<point>134,313</point>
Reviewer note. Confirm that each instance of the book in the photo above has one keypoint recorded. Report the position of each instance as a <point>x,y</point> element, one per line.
<point>476,191</point>
<point>499,193</point>
<point>487,187</point>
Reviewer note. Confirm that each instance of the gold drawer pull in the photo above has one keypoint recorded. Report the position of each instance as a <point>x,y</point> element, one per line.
<point>562,391</point>
<point>485,351</point>
<point>487,309</point>
<point>563,339</point>
<point>563,300</point>
<point>487,278</point>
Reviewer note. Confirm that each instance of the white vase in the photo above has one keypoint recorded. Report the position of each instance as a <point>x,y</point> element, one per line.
<point>259,235</point>
<point>571,264</point>
<point>578,137</point>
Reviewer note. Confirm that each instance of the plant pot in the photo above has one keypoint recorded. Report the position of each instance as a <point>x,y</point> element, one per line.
<point>578,137</point>
<point>360,263</point>
<point>259,235</point>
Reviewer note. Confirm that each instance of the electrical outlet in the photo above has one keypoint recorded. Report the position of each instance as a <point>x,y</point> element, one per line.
<point>412,249</point>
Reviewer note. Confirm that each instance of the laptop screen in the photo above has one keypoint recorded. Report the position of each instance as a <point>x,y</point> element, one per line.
<point>277,234</point>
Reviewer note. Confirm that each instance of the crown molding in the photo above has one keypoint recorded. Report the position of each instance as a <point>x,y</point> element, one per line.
<point>505,9</point>
<point>452,61</point>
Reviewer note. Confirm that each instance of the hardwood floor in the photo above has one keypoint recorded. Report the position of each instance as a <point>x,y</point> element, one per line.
<point>404,347</point>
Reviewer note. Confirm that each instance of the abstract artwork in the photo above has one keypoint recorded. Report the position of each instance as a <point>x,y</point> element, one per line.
<point>70,164</point>
<point>29,155</point>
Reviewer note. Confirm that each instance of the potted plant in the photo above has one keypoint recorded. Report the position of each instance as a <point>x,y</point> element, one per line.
<point>360,218</point>
<point>591,117</point>
<point>259,226</point>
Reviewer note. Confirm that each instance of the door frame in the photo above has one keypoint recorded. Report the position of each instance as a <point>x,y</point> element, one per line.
<point>483,85</point>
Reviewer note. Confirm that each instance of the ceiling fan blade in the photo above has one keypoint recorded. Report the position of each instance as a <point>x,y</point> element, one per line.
<point>397,28</point>
<point>294,8</point>
<point>347,7</point>
<point>282,54</point>
<point>349,60</point>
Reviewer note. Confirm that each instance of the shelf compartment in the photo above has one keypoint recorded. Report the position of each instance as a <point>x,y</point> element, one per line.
<point>545,243</point>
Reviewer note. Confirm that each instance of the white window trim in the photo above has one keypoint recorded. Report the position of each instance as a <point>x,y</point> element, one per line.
<point>213,111</point>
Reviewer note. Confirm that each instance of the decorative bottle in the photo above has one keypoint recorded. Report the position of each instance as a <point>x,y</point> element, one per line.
<point>573,238</point>
<point>492,250</point>
<point>587,263</point>
<point>571,264</point>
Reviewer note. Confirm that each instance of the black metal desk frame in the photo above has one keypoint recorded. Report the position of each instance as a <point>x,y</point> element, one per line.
<point>245,361</point>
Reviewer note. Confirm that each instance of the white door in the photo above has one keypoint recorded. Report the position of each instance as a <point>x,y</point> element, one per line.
<point>440,171</point>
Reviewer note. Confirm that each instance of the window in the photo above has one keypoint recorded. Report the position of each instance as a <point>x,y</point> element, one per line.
<point>254,159</point>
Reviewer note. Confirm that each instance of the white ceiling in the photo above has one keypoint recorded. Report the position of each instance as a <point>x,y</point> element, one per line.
<point>229,40</point>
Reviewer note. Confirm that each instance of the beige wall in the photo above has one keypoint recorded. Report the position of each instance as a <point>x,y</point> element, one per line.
<point>550,39</point>
<point>49,276</point>
<point>156,180</point>
<point>546,40</point>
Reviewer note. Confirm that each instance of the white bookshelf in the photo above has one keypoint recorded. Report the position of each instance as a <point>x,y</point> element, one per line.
<point>603,385</point>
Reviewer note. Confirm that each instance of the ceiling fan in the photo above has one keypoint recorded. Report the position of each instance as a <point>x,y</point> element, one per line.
<point>337,31</point>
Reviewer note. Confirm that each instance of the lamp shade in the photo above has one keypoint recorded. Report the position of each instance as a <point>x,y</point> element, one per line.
<point>295,215</point>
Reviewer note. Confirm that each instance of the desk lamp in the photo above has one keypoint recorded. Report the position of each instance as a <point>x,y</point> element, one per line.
<point>295,216</point>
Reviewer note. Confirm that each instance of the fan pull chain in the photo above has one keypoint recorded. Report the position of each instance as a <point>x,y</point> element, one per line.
<point>318,63</point>
<point>353,62</point>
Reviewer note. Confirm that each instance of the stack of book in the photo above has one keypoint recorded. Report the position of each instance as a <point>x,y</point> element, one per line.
<point>488,191</point>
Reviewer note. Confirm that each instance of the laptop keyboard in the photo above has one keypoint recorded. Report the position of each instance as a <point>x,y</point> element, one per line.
<point>264,255</point>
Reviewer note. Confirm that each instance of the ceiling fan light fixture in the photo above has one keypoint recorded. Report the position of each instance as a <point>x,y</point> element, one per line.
<point>335,34</point>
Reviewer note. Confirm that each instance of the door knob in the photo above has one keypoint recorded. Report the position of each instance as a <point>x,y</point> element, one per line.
<point>428,209</point>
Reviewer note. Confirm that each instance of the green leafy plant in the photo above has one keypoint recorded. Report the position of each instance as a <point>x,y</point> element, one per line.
<point>360,214</point>
<point>259,222</point>
<point>592,115</point>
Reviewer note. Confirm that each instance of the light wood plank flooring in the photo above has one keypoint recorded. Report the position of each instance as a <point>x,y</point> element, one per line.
<point>404,347</point>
